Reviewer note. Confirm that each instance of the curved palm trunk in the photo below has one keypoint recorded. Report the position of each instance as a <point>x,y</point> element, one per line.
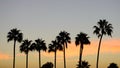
<point>80,58</point>
<point>39,59</point>
<point>55,59</point>
<point>64,55</point>
<point>98,51</point>
<point>27,60</point>
<point>14,54</point>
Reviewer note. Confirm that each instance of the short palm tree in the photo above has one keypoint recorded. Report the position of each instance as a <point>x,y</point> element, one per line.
<point>47,65</point>
<point>14,35</point>
<point>81,39</point>
<point>113,65</point>
<point>63,39</point>
<point>102,28</point>
<point>84,64</point>
<point>25,47</point>
<point>39,45</point>
<point>53,47</point>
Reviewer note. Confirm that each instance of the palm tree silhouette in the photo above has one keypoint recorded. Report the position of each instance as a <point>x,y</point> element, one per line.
<point>81,39</point>
<point>14,35</point>
<point>25,47</point>
<point>63,39</point>
<point>113,65</point>
<point>84,64</point>
<point>48,65</point>
<point>53,47</point>
<point>102,28</point>
<point>39,45</point>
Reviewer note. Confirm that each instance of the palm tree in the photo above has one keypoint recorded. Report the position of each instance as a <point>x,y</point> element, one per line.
<point>113,65</point>
<point>81,39</point>
<point>84,64</point>
<point>48,65</point>
<point>38,46</point>
<point>63,39</point>
<point>25,47</point>
<point>53,47</point>
<point>14,35</point>
<point>102,28</point>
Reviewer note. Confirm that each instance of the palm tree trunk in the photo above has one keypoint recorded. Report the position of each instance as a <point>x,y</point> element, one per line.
<point>80,58</point>
<point>27,60</point>
<point>64,56</point>
<point>39,59</point>
<point>98,51</point>
<point>14,54</point>
<point>55,59</point>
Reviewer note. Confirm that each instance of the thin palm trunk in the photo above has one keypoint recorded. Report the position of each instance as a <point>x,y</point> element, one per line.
<point>39,59</point>
<point>55,59</point>
<point>80,58</point>
<point>27,60</point>
<point>14,54</point>
<point>64,56</point>
<point>98,51</point>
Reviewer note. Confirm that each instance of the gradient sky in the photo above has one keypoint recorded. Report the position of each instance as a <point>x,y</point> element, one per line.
<point>45,19</point>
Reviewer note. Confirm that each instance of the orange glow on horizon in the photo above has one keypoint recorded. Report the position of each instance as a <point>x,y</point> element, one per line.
<point>107,46</point>
<point>5,56</point>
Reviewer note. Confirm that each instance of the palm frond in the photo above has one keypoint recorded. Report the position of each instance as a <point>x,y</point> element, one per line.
<point>25,46</point>
<point>103,28</point>
<point>82,38</point>
<point>40,45</point>
<point>97,30</point>
<point>63,38</point>
<point>14,34</point>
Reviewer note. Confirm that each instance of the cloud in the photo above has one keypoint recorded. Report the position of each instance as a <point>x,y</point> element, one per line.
<point>110,46</point>
<point>107,46</point>
<point>20,54</point>
<point>72,52</point>
<point>5,56</point>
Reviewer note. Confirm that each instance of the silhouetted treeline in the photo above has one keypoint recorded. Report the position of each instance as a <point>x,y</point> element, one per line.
<point>60,43</point>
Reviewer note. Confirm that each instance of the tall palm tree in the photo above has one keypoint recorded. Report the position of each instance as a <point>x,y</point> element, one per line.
<point>39,45</point>
<point>25,47</point>
<point>63,39</point>
<point>81,39</point>
<point>102,28</point>
<point>14,35</point>
<point>53,47</point>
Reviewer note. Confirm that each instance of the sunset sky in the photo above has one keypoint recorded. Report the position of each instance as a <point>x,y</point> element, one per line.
<point>46,18</point>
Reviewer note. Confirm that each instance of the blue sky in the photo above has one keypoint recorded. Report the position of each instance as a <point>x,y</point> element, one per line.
<point>52,16</point>
<point>46,18</point>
